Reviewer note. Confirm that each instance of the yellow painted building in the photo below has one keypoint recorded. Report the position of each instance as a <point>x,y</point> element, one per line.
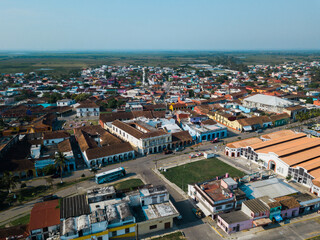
<point>112,233</point>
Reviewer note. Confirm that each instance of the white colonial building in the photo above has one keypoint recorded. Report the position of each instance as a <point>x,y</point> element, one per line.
<point>88,109</point>
<point>292,155</point>
<point>144,138</point>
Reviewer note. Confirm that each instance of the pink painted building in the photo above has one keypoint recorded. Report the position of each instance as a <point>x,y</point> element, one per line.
<point>234,222</point>
<point>290,206</point>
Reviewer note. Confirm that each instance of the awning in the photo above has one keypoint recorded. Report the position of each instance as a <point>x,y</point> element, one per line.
<point>203,209</point>
<point>247,128</point>
<point>261,222</point>
<point>278,218</point>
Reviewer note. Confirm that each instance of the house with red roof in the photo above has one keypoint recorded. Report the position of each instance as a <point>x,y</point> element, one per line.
<point>44,220</point>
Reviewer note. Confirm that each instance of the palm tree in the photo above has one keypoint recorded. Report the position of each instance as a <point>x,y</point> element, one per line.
<point>60,161</point>
<point>10,181</point>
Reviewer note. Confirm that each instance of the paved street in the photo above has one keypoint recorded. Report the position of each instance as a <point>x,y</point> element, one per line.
<point>190,225</point>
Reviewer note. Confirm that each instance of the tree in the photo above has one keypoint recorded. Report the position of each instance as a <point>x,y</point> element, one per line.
<point>191,93</point>
<point>60,161</point>
<point>81,97</point>
<point>309,100</point>
<point>10,181</point>
<point>49,169</point>
<point>49,181</point>
<point>112,103</point>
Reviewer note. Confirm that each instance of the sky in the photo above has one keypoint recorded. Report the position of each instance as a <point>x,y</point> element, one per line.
<point>85,25</point>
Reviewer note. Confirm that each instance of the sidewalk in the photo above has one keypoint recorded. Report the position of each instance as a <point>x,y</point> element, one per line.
<point>78,188</point>
<point>256,230</point>
<point>174,186</point>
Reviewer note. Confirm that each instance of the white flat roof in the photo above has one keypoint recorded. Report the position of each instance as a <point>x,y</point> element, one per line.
<point>273,188</point>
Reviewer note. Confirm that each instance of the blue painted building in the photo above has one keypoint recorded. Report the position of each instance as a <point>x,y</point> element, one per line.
<point>205,132</point>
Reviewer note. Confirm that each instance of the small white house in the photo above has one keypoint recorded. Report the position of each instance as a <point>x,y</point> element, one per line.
<point>52,138</point>
<point>65,102</point>
<point>87,109</point>
<point>208,154</point>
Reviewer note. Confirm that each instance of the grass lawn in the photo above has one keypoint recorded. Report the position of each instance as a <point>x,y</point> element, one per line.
<point>200,171</point>
<point>172,236</point>
<point>19,221</point>
<point>129,184</point>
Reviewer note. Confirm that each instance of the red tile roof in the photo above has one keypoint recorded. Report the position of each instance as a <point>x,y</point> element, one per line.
<point>44,214</point>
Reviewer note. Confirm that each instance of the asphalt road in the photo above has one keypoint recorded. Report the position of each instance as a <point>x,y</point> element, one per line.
<point>190,225</point>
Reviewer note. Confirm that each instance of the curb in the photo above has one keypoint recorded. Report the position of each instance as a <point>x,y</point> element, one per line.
<point>174,186</point>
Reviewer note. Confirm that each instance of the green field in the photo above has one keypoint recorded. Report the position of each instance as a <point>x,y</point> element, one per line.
<point>129,184</point>
<point>19,221</point>
<point>172,236</point>
<point>56,64</point>
<point>200,171</point>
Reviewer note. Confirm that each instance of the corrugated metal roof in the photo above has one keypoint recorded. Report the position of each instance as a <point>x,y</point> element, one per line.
<point>74,206</point>
<point>273,188</point>
<point>269,100</point>
<point>256,206</point>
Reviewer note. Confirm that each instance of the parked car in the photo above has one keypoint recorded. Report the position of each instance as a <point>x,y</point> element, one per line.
<point>215,140</point>
<point>192,156</point>
<point>259,131</point>
<point>167,152</point>
<point>79,155</point>
<point>198,212</point>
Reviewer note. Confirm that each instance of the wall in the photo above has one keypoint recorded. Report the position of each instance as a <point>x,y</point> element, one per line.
<point>148,199</point>
<point>242,225</point>
<point>289,213</point>
<point>48,142</point>
<point>144,227</point>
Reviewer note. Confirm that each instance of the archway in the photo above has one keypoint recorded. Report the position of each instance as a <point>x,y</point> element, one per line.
<point>272,165</point>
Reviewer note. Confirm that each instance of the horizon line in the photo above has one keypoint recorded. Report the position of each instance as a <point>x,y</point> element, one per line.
<point>160,50</point>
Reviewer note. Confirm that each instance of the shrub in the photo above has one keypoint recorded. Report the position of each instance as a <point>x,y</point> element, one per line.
<point>23,185</point>
<point>83,175</point>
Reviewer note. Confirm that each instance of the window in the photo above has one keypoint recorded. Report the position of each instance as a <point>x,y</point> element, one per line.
<point>127,230</point>
<point>153,227</point>
<point>218,207</point>
<point>114,233</point>
<point>154,200</point>
<point>99,238</point>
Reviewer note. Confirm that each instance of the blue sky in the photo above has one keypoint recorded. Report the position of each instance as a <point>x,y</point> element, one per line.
<point>159,24</point>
